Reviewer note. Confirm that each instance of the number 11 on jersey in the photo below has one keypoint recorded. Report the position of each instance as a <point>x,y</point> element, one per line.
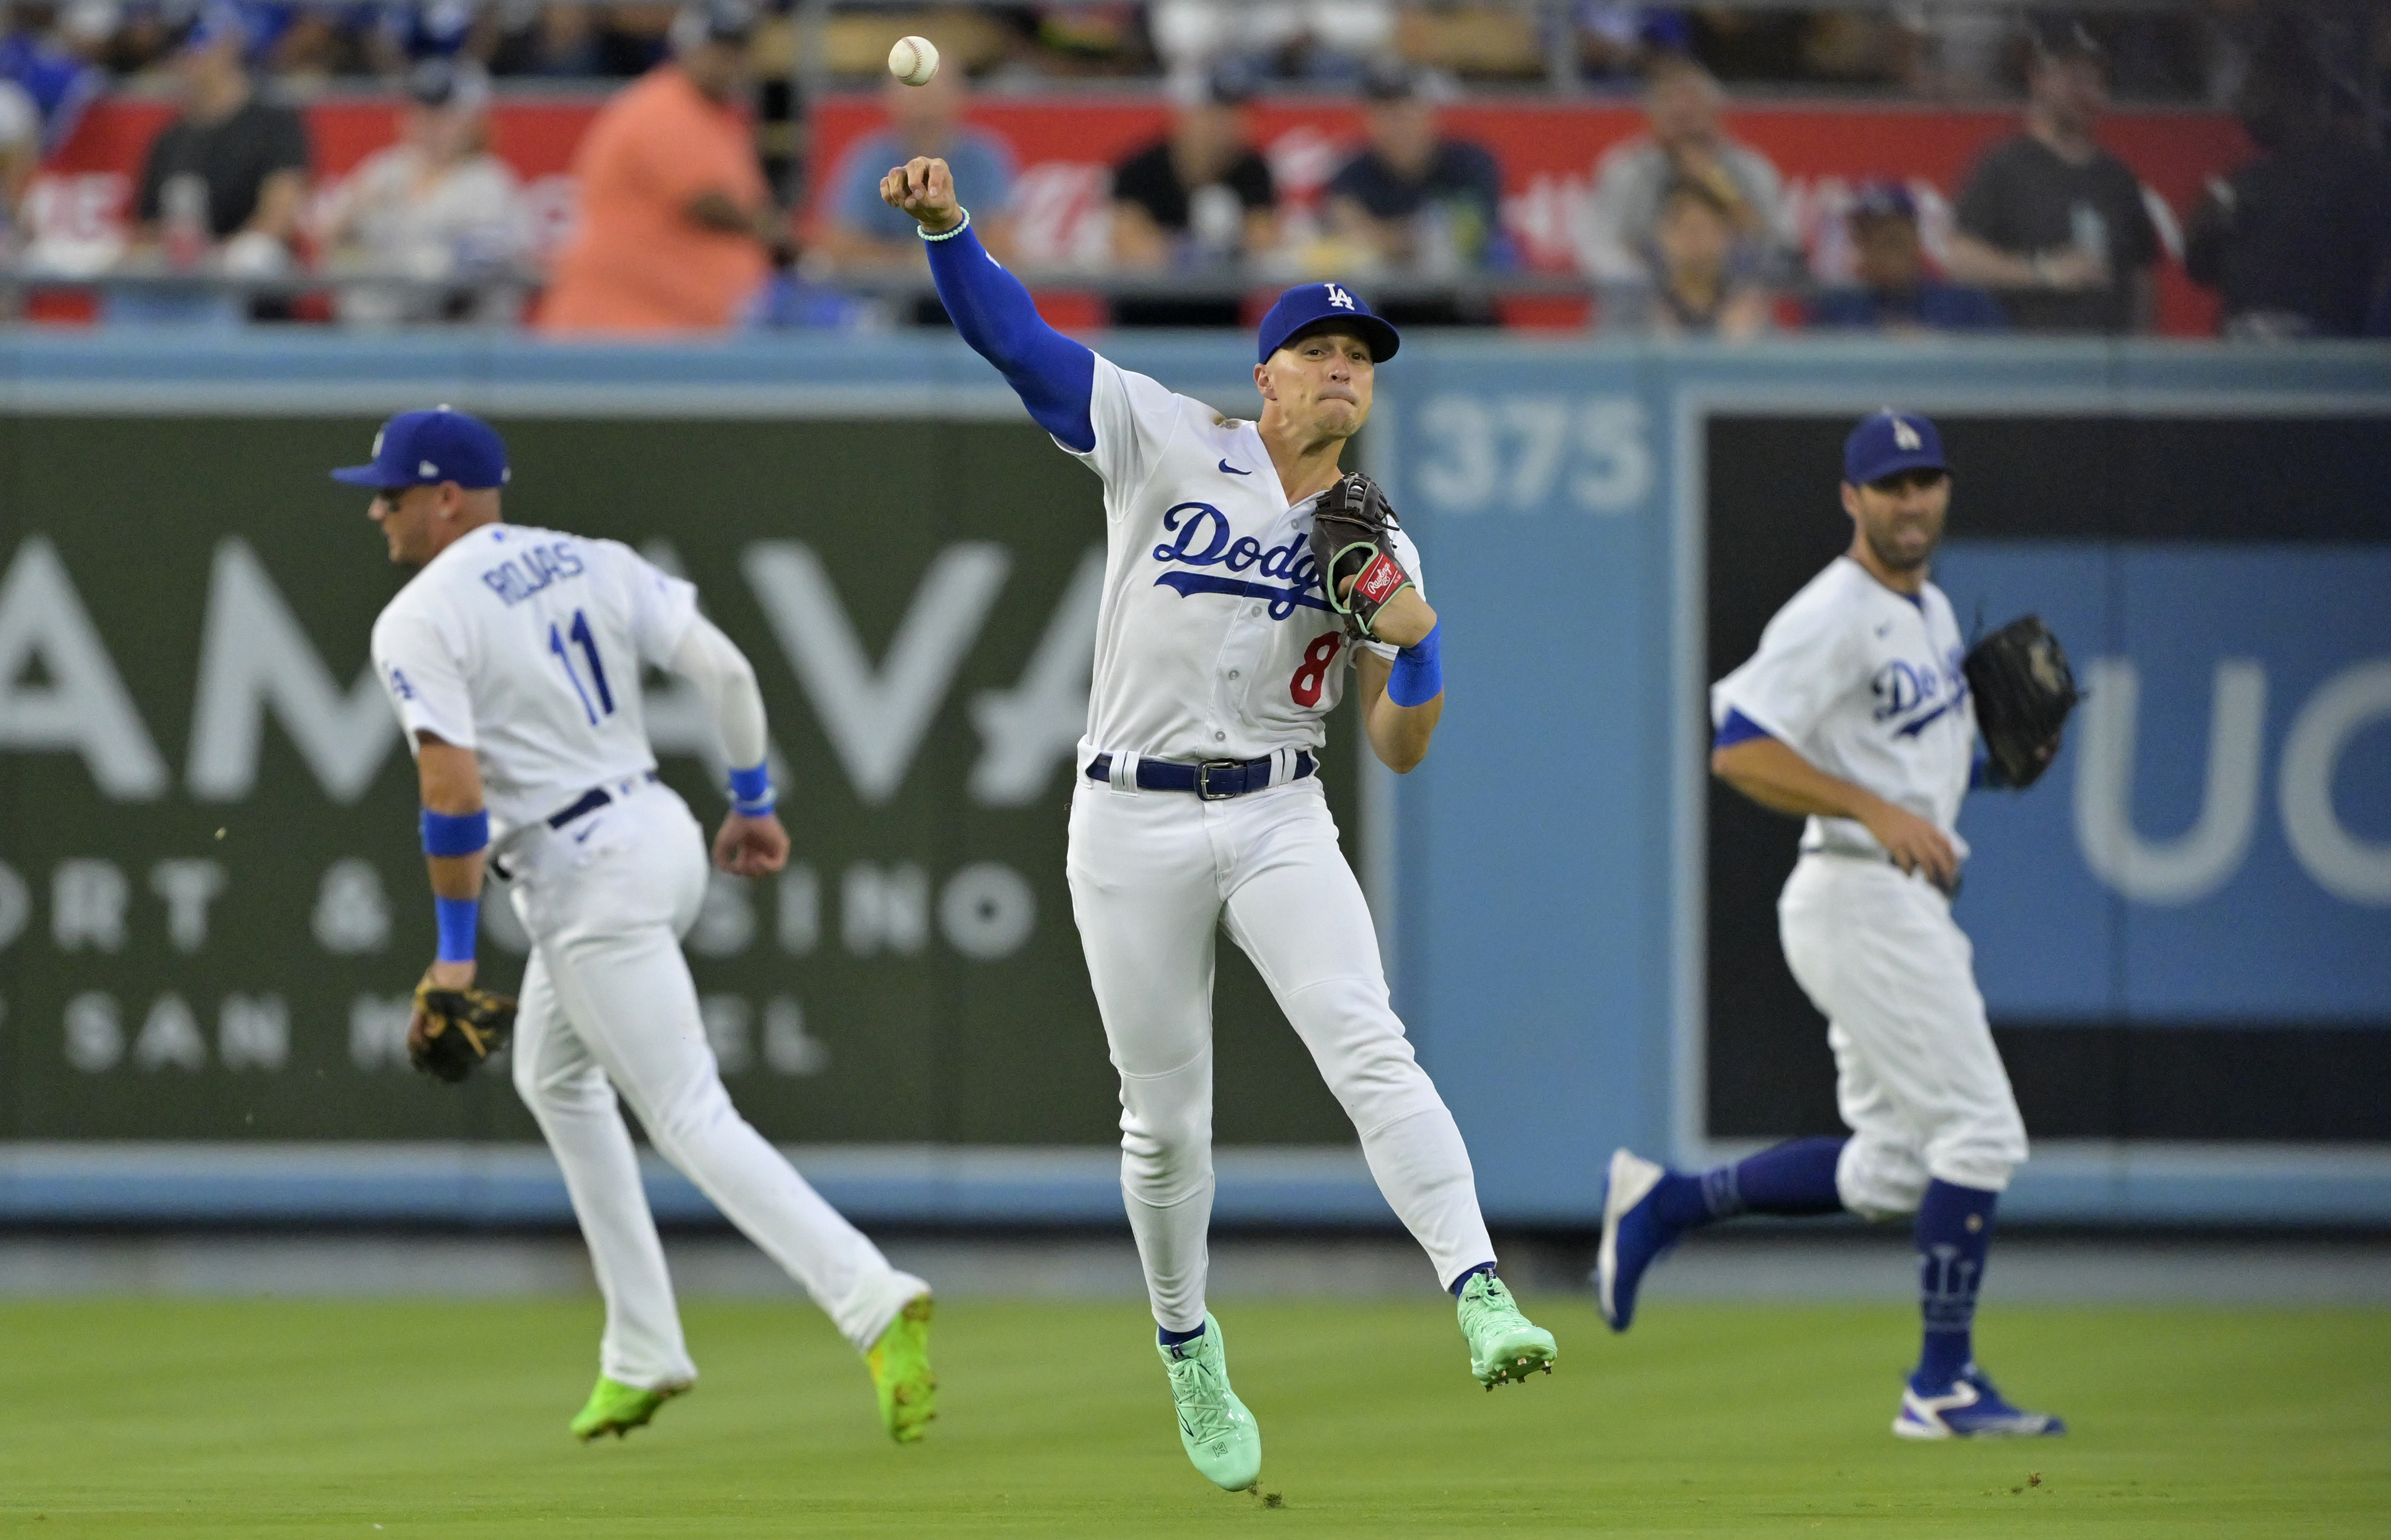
<point>580,633</point>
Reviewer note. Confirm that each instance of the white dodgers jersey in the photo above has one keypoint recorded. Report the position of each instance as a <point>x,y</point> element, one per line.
<point>524,645</point>
<point>1215,640</point>
<point>1867,685</point>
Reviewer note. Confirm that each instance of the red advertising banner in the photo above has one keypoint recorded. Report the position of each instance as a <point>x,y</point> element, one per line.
<point>1548,151</point>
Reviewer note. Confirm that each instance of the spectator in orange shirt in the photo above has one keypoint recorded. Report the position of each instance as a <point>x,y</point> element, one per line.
<point>677,227</point>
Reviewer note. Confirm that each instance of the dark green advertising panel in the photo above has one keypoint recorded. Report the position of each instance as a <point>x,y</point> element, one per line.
<point>212,905</point>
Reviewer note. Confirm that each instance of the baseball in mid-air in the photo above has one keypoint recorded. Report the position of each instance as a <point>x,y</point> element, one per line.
<point>913,61</point>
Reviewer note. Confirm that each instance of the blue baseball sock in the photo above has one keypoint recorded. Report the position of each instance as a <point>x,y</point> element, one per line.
<point>1463,1282</point>
<point>1170,1339</point>
<point>1796,1177</point>
<point>1954,1226</point>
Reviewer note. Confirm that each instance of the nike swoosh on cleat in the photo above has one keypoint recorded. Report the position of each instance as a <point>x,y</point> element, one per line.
<point>1233,470</point>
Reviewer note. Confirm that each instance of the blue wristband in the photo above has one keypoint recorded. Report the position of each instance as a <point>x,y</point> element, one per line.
<point>454,834</point>
<point>1418,676</point>
<point>461,921</point>
<point>751,790</point>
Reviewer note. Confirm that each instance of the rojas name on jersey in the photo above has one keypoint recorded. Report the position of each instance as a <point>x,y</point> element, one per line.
<point>519,576</point>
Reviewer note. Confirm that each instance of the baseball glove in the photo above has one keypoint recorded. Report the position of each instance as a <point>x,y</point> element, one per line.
<point>458,1029</point>
<point>1353,537</point>
<point>2023,691</point>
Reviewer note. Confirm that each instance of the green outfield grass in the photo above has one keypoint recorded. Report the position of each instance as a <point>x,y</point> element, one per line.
<point>279,1417</point>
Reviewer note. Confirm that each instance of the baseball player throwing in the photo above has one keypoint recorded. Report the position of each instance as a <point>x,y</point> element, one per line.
<point>512,658</point>
<point>1857,712</point>
<point>1221,647</point>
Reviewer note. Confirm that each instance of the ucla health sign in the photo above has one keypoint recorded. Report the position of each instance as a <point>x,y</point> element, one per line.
<point>2214,845</point>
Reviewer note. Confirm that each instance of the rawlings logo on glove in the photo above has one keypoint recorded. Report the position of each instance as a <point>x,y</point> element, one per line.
<point>1352,544</point>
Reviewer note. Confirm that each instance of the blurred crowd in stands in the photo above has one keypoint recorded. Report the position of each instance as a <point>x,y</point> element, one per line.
<point>2197,51</point>
<point>682,221</point>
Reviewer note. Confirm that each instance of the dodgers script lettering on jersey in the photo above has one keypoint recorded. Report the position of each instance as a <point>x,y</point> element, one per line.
<point>526,645</point>
<point>1867,685</point>
<point>1215,640</point>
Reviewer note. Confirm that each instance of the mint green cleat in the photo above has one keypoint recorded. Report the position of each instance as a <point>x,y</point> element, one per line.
<point>899,1363</point>
<point>616,1408</point>
<point>1219,1434</point>
<point>1504,1344</point>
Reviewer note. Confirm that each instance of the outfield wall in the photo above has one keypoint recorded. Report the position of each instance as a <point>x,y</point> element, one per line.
<point>210,905</point>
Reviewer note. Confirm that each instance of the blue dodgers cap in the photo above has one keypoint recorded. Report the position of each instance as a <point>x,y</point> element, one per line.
<point>1307,305</point>
<point>1887,443</point>
<point>423,448</point>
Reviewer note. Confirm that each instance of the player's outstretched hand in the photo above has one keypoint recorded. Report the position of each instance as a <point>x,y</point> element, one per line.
<point>751,847</point>
<point>1916,845</point>
<point>924,187</point>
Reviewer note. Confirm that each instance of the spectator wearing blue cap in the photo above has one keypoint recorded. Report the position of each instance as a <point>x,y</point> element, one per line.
<point>1894,291</point>
<point>224,183</point>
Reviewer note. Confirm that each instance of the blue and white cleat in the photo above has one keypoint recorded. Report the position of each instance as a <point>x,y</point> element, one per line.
<point>1633,1236</point>
<point>1971,1408</point>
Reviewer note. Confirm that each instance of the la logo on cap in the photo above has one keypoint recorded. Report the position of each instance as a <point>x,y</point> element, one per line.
<point>425,468</point>
<point>1904,435</point>
<point>1338,297</point>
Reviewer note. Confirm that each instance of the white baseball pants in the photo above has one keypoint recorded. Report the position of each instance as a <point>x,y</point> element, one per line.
<point>607,1005</point>
<point>1152,874</point>
<point>1918,1079</point>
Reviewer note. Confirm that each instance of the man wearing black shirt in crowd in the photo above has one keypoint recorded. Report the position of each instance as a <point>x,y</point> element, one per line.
<point>2297,243</point>
<point>1201,197</point>
<point>1425,204</point>
<point>223,182</point>
<point>2052,222</point>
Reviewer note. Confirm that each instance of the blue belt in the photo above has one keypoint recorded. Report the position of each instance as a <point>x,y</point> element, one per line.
<point>1214,779</point>
<point>591,800</point>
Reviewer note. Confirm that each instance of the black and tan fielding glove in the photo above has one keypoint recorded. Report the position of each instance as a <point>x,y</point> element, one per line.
<point>2023,692</point>
<point>1353,537</point>
<point>455,1030</point>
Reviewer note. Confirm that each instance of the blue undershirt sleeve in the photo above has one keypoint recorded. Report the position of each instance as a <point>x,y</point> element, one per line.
<point>1054,376</point>
<point>1737,729</point>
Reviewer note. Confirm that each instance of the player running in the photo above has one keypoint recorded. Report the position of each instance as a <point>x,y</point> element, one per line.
<point>1219,658</point>
<point>513,659</point>
<point>1857,712</point>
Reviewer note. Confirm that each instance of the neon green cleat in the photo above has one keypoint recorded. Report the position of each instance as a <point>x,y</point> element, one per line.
<point>1504,1344</point>
<point>900,1372</point>
<point>1219,1434</point>
<point>616,1408</point>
